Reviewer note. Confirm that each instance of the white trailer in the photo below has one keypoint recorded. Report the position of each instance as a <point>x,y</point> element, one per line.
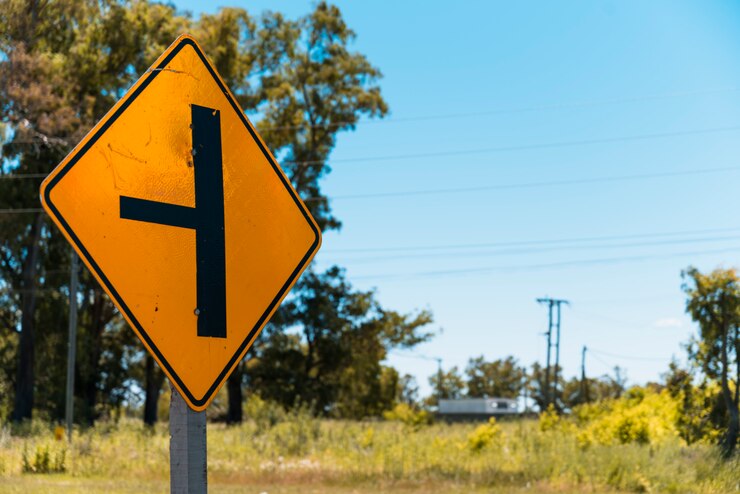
<point>477,408</point>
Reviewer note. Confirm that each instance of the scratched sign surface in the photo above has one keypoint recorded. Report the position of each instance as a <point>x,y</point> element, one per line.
<point>180,211</point>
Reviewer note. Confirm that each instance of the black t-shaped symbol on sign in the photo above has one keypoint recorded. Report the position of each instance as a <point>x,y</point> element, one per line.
<point>206,218</point>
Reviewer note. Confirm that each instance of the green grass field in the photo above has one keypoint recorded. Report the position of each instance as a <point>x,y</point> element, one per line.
<point>301,454</point>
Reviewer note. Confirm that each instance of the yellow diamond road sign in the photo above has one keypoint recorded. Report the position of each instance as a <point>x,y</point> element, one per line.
<point>182,214</point>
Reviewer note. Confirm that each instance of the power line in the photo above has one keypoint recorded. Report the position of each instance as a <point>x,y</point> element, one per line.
<point>629,300</point>
<point>513,251</point>
<point>521,147</point>
<point>12,291</point>
<point>447,116</point>
<point>21,210</point>
<point>592,315</point>
<point>531,185</point>
<point>415,356</point>
<point>463,152</point>
<point>626,357</point>
<point>525,185</point>
<point>21,176</point>
<point>493,149</point>
<point>607,364</point>
<point>490,269</point>
<point>508,111</point>
<point>539,242</point>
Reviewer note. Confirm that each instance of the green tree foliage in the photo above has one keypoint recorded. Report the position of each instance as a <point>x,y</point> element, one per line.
<point>577,392</point>
<point>310,88</point>
<point>502,378</point>
<point>304,85</point>
<point>568,394</point>
<point>699,412</point>
<point>713,301</point>
<point>642,415</point>
<point>537,387</point>
<point>446,385</point>
<point>326,345</point>
<point>63,64</point>
<point>407,390</point>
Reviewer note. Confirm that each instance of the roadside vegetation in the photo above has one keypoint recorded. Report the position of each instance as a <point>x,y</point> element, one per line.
<point>631,444</point>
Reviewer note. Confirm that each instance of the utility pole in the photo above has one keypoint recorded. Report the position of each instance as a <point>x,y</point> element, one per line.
<point>557,351</point>
<point>439,380</point>
<point>584,386</point>
<point>546,391</point>
<point>71,345</point>
<point>550,391</point>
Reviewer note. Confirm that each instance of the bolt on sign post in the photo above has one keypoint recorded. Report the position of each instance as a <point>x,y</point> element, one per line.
<point>182,214</point>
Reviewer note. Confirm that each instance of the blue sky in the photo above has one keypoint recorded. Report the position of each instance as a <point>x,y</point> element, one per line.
<point>634,105</point>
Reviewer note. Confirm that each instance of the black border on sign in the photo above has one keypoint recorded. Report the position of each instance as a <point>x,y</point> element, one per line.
<point>122,305</point>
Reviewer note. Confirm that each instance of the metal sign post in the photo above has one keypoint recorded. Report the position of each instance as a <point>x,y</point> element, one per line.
<point>71,346</point>
<point>188,452</point>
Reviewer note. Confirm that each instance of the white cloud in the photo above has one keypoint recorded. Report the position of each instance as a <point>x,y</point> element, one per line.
<point>668,322</point>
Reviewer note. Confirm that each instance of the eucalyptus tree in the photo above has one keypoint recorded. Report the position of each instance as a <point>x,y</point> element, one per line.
<point>713,301</point>
<point>63,65</point>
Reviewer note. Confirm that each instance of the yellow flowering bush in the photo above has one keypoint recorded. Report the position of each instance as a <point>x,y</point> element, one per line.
<point>366,438</point>
<point>549,419</point>
<point>408,415</point>
<point>484,436</point>
<point>641,416</point>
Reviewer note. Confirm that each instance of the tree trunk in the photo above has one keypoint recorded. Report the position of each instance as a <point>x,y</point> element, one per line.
<point>234,388</point>
<point>95,319</point>
<point>23,406</point>
<point>733,428</point>
<point>737,369</point>
<point>153,385</point>
<point>730,439</point>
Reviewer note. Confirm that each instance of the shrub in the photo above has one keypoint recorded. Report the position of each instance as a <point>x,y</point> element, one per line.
<point>367,438</point>
<point>265,414</point>
<point>641,416</point>
<point>409,416</point>
<point>44,461</point>
<point>549,419</point>
<point>484,436</point>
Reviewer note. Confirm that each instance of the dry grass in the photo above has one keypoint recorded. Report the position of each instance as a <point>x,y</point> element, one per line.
<point>292,454</point>
<point>67,485</point>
